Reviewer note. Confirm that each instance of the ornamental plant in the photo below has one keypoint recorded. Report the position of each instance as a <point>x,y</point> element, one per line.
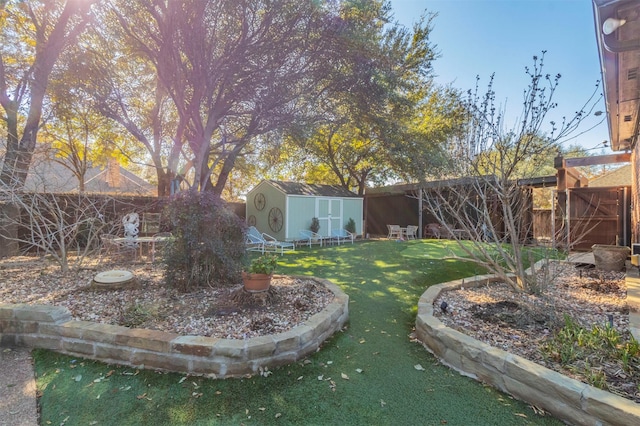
<point>264,264</point>
<point>208,244</point>
<point>315,225</point>
<point>351,225</point>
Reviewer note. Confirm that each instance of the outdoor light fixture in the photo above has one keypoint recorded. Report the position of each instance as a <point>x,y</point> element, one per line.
<point>612,24</point>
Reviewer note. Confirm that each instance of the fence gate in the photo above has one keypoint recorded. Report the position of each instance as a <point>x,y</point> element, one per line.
<point>595,216</point>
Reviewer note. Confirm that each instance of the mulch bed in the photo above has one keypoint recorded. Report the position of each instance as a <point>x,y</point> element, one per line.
<point>223,312</point>
<point>521,323</point>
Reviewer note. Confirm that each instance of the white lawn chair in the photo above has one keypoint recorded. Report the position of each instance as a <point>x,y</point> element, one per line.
<point>111,245</point>
<point>412,231</point>
<point>395,232</point>
<point>341,236</point>
<point>274,245</point>
<point>310,237</point>
<point>159,238</point>
<point>254,240</point>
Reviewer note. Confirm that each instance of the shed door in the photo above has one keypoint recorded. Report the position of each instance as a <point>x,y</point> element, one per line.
<point>329,213</point>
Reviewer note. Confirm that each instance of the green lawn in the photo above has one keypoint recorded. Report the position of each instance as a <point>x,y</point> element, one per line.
<point>364,375</point>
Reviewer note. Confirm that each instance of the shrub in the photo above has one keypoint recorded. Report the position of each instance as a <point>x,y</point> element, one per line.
<point>315,225</point>
<point>208,244</point>
<point>351,225</point>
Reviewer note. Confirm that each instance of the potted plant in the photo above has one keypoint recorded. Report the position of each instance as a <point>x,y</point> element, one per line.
<point>351,225</point>
<point>315,225</point>
<point>258,276</point>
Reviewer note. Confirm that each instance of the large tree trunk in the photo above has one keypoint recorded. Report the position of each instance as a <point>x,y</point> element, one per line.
<point>227,167</point>
<point>164,182</point>
<point>18,156</point>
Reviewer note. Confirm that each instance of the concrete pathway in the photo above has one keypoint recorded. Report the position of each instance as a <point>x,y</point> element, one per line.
<point>18,406</point>
<point>581,257</point>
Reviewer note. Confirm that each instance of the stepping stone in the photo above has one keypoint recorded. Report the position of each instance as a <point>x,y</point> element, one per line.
<point>113,280</point>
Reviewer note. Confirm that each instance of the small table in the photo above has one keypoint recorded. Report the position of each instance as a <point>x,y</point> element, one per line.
<point>143,240</point>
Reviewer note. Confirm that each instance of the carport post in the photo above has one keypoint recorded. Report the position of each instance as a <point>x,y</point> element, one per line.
<point>420,213</point>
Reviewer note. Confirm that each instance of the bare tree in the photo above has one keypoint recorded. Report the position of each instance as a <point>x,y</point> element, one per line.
<point>65,227</point>
<point>489,213</point>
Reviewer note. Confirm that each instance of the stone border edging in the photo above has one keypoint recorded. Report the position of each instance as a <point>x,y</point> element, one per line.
<point>51,327</point>
<point>565,398</point>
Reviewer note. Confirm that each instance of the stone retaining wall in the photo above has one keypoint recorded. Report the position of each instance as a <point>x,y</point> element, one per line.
<point>563,397</point>
<point>51,327</point>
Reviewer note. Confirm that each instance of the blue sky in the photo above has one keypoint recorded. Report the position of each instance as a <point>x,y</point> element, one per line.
<point>481,37</point>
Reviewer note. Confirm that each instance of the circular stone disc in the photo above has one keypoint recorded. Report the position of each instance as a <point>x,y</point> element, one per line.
<point>113,277</point>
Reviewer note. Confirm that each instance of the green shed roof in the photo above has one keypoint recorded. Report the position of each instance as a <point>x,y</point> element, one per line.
<point>297,188</point>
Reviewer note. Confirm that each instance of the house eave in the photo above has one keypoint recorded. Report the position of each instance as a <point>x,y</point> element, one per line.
<point>619,54</point>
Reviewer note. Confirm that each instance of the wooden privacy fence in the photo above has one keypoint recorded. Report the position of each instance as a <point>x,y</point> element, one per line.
<point>112,209</point>
<point>542,224</point>
<point>588,216</point>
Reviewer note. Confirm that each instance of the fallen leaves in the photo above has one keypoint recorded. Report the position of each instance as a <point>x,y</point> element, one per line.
<point>588,297</point>
<point>419,367</point>
<point>179,313</point>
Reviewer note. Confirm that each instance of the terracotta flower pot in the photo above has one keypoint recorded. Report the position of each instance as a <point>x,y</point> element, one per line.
<point>256,282</point>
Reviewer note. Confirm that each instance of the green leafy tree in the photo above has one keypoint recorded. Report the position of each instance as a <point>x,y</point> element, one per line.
<point>379,130</point>
<point>232,70</point>
<point>33,34</point>
<point>76,135</point>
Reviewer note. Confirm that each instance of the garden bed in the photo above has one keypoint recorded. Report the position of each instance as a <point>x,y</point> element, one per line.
<point>525,324</point>
<point>149,304</point>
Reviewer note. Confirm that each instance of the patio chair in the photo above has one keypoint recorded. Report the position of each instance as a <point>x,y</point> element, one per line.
<point>274,245</point>
<point>150,223</point>
<point>112,244</point>
<point>310,237</point>
<point>259,241</point>
<point>254,240</point>
<point>395,233</point>
<point>432,230</point>
<point>341,236</point>
<point>159,238</point>
<point>411,232</point>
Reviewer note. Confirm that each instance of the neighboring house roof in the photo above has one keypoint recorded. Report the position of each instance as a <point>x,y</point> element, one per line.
<point>48,175</point>
<point>618,177</point>
<point>297,188</point>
